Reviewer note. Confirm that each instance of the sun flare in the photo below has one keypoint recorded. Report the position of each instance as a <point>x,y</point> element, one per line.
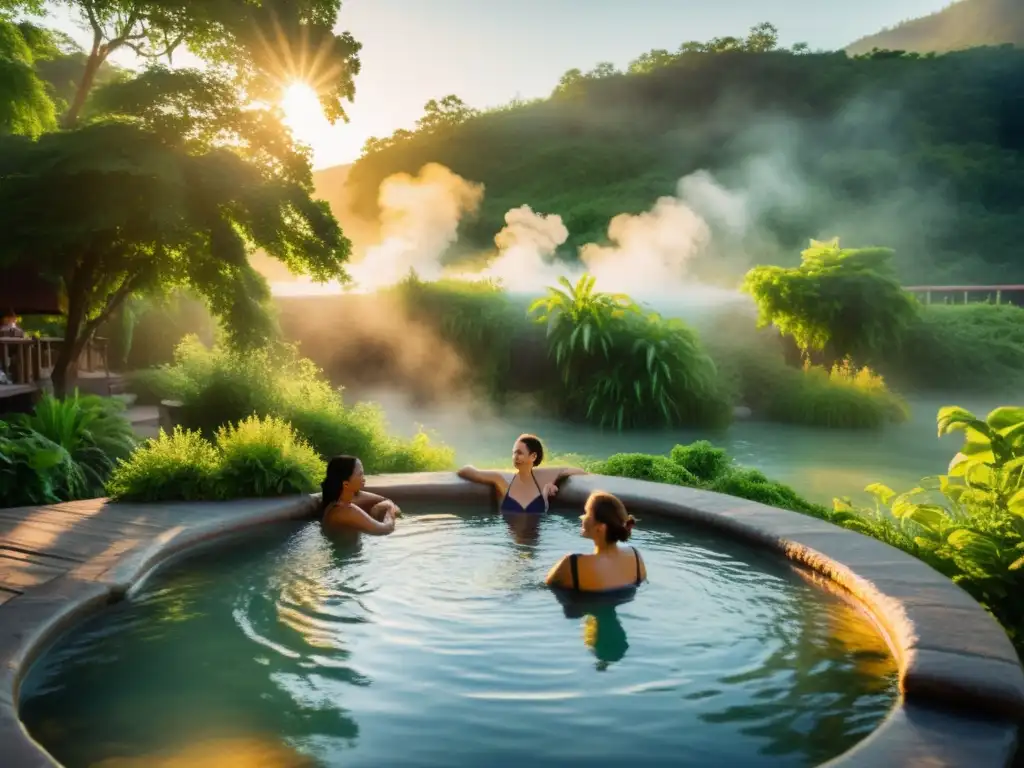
<point>301,106</point>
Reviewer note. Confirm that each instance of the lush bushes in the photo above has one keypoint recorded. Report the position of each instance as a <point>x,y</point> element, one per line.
<point>218,386</point>
<point>65,450</point>
<point>701,465</point>
<point>35,470</point>
<point>621,367</point>
<point>838,302</point>
<point>967,524</point>
<point>757,375</point>
<point>256,458</point>
<point>976,347</point>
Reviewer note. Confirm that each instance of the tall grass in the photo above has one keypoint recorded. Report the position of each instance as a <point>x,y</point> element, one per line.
<point>219,386</point>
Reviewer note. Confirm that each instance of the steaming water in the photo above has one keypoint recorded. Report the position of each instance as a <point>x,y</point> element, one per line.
<point>439,646</point>
<point>819,463</point>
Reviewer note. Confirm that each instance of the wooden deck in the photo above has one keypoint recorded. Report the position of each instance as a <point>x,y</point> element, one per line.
<point>91,539</point>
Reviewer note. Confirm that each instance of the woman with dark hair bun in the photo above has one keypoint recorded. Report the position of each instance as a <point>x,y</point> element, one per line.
<point>610,568</point>
<point>344,503</point>
<point>530,489</point>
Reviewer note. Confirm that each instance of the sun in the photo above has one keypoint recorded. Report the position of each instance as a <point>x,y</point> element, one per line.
<point>303,113</point>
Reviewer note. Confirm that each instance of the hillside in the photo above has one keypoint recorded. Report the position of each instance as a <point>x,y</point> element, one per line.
<point>964,24</point>
<point>923,154</point>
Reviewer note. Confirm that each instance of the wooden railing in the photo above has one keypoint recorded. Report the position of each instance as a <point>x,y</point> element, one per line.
<point>28,363</point>
<point>951,294</point>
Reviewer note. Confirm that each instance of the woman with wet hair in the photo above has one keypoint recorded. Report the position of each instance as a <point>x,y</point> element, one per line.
<point>345,505</point>
<point>531,488</point>
<point>610,568</point>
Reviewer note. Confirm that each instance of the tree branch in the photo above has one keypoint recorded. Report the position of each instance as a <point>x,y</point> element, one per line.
<point>114,300</point>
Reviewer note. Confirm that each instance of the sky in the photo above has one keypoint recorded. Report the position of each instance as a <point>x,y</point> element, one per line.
<point>489,52</point>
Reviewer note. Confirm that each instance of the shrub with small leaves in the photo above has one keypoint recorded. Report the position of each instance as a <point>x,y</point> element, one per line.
<point>181,466</point>
<point>265,457</point>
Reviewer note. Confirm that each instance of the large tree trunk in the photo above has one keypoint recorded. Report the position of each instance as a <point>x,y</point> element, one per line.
<point>92,66</point>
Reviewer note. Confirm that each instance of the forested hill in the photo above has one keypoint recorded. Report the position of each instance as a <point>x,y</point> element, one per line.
<point>924,154</point>
<point>965,24</point>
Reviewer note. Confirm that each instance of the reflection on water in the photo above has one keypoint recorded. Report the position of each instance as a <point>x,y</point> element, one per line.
<point>294,646</point>
<point>218,753</point>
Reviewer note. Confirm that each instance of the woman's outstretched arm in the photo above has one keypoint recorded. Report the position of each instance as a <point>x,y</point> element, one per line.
<point>483,476</point>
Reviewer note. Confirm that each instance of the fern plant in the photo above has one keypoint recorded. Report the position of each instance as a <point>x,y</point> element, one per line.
<point>91,429</point>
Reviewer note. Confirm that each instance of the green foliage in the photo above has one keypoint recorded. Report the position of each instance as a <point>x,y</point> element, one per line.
<point>880,150</point>
<point>756,374</point>
<point>843,398</point>
<point>845,300</point>
<point>964,347</point>
<point>969,523</point>
<point>701,465</point>
<point>104,243</point>
<point>181,466</point>
<point>92,430</point>
<point>265,458</point>
<point>623,368</point>
<point>35,470</point>
<point>25,106</point>
<point>257,458</point>
<point>477,319</point>
<point>264,44</point>
<point>222,386</point>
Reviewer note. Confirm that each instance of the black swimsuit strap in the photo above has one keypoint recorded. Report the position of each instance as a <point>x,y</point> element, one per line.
<point>637,555</point>
<point>574,568</point>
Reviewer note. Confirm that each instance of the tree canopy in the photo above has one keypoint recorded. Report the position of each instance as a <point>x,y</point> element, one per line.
<point>25,105</point>
<point>263,44</point>
<point>843,301</point>
<point>169,177</point>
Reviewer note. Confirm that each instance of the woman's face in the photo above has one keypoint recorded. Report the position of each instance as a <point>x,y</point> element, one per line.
<point>358,479</point>
<point>521,455</point>
<point>590,527</point>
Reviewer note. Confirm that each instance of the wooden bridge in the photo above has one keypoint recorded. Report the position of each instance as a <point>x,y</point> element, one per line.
<point>964,294</point>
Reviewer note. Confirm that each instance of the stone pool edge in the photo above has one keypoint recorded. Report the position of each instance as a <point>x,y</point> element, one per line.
<point>952,655</point>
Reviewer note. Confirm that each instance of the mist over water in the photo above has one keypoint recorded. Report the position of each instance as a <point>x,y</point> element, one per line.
<point>680,257</point>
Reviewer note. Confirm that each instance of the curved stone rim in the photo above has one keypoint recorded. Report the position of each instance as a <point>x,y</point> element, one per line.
<point>952,655</point>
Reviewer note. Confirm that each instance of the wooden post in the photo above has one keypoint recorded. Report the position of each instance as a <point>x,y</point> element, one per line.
<point>37,361</point>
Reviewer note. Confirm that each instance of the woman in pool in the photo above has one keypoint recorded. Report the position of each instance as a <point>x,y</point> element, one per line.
<point>345,505</point>
<point>610,568</point>
<point>530,489</point>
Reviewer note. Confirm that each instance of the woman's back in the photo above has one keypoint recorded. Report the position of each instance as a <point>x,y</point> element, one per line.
<point>608,571</point>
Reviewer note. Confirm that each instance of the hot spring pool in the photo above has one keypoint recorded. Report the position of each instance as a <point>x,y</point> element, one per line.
<point>440,646</point>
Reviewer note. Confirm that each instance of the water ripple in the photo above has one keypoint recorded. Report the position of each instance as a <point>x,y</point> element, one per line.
<point>388,651</point>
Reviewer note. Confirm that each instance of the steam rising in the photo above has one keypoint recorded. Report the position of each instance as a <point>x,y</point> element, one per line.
<point>526,246</point>
<point>420,217</point>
